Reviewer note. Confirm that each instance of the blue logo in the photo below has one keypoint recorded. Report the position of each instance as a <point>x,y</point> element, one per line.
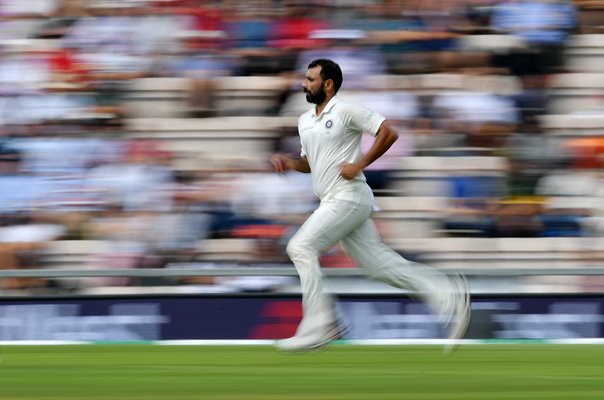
<point>329,124</point>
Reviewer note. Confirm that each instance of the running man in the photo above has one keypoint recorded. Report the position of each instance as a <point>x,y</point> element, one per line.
<point>330,136</point>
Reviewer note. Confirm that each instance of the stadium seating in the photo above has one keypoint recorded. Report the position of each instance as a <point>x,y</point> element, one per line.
<point>576,92</point>
<point>223,138</point>
<point>585,53</point>
<point>156,97</point>
<point>244,95</point>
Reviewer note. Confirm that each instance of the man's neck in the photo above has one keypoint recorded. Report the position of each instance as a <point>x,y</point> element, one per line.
<point>320,107</point>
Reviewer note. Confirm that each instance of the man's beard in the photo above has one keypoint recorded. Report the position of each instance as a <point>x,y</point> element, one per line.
<point>317,97</point>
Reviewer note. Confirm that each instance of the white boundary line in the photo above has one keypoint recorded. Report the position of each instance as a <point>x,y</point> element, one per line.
<point>217,342</point>
<point>42,342</point>
<point>346,342</point>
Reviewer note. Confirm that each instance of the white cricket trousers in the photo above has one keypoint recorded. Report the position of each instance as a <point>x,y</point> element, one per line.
<point>345,216</point>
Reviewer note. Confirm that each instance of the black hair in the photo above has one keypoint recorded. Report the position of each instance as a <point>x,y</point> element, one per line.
<point>329,70</point>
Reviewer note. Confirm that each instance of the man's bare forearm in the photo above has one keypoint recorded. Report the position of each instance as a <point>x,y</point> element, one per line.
<point>300,165</point>
<point>385,138</point>
<point>285,162</point>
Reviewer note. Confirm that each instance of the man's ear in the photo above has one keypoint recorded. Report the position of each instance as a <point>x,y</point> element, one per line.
<point>328,84</point>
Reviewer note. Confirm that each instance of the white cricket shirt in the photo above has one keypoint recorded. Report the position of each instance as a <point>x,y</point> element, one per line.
<point>333,138</point>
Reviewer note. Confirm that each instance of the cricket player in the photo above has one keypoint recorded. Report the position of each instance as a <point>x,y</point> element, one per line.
<point>330,135</point>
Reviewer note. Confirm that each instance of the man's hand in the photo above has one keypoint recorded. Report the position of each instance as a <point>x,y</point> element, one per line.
<point>349,171</point>
<point>282,162</point>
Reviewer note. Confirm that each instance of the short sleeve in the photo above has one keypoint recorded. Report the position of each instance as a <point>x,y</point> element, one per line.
<point>363,119</point>
<point>302,147</point>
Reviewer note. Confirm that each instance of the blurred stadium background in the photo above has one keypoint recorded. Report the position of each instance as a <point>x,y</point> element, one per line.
<point>135,137</point>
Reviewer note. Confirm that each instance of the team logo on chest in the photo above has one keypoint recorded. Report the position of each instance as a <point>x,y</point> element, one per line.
<point>329,124</point>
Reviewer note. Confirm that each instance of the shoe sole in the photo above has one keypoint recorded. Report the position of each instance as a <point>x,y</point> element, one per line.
<point>336,333</point>
<point>461,318</point>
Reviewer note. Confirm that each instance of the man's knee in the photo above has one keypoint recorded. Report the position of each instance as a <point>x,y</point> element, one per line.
<point>297,249</point>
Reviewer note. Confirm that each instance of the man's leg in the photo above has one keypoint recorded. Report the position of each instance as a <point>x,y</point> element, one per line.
<point>442,295</point>
<point>330,222</point>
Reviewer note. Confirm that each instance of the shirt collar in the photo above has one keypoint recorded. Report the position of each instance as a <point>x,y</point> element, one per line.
<point>327,108</point>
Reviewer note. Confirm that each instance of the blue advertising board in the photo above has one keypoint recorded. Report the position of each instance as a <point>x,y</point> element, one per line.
<point>269,317</point>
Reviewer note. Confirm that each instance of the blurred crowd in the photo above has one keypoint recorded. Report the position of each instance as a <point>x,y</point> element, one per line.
<point>70,168</point>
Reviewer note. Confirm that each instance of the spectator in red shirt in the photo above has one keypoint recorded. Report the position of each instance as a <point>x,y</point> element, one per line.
<point>292,32</point>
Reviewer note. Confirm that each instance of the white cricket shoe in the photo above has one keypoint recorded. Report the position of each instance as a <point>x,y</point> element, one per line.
<point>312,342</point>
<point>460,315</point>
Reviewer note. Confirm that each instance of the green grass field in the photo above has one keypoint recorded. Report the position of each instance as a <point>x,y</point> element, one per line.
<point>524,371</point>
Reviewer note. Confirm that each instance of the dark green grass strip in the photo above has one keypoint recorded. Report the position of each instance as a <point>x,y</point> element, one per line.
<point>529,371</point>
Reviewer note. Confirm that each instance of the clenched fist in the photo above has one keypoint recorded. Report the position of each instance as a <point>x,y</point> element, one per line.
<point>281,162</point>
<point>349,171</point>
